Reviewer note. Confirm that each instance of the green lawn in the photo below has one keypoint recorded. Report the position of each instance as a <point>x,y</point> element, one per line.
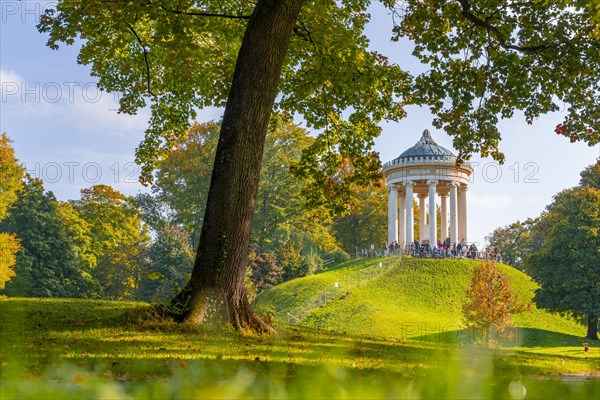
<point>108,350</point>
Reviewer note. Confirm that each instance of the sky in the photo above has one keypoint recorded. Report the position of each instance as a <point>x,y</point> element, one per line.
<point>69,134</point>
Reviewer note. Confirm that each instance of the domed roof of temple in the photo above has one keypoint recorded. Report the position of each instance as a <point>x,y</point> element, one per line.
<point>426,150</point>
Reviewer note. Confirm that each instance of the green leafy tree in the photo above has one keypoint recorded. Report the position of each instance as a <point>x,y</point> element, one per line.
<point>280,207</point>
<point>590,177</point>
<point>361,227</point>
<point>266,271</point>
<point>46,265</point>
<point>515,241</point>
<point>249,286</point>
<point>118,239</point>
<point>313,263</point>
<point>290,257</point>
<point>183,177</point>
<point>311,58</point>
<point>79,232</point>
<point>490,303</point>
<point>168,263</point>
<point>155,213</point>
<point>11,180</point>
<point>567,265</point>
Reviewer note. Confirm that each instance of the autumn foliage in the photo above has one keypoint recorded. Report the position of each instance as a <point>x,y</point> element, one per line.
<point>10,182</point>
<point>490,302</point>
<point>9,246</point>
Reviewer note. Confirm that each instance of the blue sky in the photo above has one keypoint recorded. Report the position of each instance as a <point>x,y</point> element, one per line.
<point>69,134</point>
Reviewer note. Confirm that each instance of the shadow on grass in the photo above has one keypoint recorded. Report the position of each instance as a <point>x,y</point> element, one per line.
<point>533,337</point>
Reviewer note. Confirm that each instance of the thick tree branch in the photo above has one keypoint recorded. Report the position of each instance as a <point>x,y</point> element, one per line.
<point>302,31</point>
<point>205,14</point>
<point>196,12</point>
<point>145,57</point>
<point>468,14</point>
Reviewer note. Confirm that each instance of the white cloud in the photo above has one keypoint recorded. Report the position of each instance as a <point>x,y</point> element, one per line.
<point>69,105</point>
<point>75,106</point>
<point>8,76</point>
<point>10,85</point>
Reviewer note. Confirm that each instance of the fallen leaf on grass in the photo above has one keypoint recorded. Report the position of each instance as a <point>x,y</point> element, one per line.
<point>78,379</point>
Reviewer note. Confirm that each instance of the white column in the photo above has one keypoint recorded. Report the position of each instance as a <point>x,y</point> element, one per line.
<point>432,213</point>
<point>410,217</point>
<point>402,220</point>
<point>422,217</point>
<point>392,214</point>
<point>462,213</point>
<point>444,216</point>
<point>459,212</point>
<point>453,216</point>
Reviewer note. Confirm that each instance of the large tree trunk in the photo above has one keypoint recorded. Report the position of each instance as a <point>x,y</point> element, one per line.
<point>216,287</point>
<point>592,330</point>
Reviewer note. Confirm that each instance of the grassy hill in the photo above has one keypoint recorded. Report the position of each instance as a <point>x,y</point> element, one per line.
<point>407,299</point>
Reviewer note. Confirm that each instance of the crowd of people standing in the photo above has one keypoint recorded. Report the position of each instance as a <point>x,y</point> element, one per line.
<point>444,249</point>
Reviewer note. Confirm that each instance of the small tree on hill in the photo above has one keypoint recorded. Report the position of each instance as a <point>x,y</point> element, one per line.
<point>490,302</point>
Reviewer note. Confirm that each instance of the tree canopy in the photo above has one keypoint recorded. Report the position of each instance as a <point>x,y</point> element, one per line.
<point>362,226</point>
<point>179,57</point>
<point>284,233</point>
<point>11,175</point>
<point>117,239</point>
<point>516,241</point>
<point>489,59</point>
<point>167,265</point>
<point>183,177</point>
<point>485,61</point>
